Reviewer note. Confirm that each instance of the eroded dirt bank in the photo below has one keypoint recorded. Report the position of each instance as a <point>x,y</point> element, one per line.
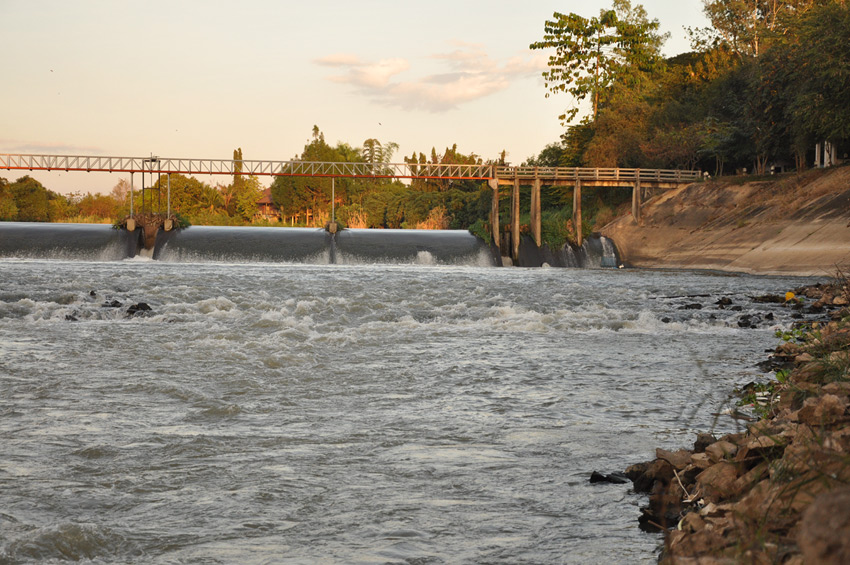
<point>795,224</point>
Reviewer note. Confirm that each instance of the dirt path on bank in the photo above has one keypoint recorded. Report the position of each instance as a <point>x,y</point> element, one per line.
<point>796,224</point>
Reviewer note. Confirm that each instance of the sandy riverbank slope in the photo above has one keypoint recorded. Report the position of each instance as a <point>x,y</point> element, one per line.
<point>795,224</point>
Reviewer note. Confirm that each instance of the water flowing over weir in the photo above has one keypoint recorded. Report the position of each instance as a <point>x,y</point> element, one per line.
<point>87,242</point>
<point>317,246</point>
<point>97,242</point>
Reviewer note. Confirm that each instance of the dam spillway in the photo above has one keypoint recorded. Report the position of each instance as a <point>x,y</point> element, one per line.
<point>100,242</point>
<point>317,246</point>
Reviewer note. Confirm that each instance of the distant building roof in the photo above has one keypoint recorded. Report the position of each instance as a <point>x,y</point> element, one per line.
<point>266,198</point>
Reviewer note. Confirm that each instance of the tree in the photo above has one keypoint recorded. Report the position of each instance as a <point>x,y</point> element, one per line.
<point>121,191</point>
<point>31,199</point>
<point>376,153</point>
<point>97,206</point>
<point>580,65</point>
<point>748,26</point>
<point>237,165</point>
<point>294,195</point>
<point>189,195</point>
<point>550,156</point>
<point>593,53</point>
<point>8,208</point>
<point>249,194</point>
<point>819,56</point>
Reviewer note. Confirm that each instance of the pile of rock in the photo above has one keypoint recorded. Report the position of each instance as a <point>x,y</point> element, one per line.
<point>778,492</point>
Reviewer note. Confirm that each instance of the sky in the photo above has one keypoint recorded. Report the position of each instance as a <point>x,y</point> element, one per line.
<point>197,79</point>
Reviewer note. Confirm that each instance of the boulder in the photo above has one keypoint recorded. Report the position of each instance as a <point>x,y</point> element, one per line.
<point>822,411</point>
<point>718,481</point>
<point>644,475</point>
<point>721,450</point>
<point>703,440</point>
<point>701,461</point>
<point>678,459</point>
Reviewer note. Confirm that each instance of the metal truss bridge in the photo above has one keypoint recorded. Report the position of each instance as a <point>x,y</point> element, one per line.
<point>442,171</point>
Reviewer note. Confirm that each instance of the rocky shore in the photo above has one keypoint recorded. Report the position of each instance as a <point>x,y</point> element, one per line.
<point>778,492</point>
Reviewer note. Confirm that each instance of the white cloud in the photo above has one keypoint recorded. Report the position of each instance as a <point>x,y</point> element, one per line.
<point>471,75</point>
<point>362,74</point>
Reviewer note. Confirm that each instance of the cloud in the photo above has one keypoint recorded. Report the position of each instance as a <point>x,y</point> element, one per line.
<point>362,74</point>
<point>471,75</point>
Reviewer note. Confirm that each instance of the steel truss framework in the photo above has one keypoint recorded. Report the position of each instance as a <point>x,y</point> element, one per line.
<point>230,167</point>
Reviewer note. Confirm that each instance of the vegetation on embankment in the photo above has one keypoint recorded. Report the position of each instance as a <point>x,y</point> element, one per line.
<point>778,492</point>
<point>789,224</point>
<point>762,85</point>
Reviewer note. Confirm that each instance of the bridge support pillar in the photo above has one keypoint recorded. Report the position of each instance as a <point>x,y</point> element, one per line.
<point>494,213</point>
<point>636,198</point>
<point>536,227</point>
<point>577,211</point>
<point>515,220</point>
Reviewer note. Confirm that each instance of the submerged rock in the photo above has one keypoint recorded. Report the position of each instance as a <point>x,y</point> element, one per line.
<point>614,478</point>
<point>140,308</point>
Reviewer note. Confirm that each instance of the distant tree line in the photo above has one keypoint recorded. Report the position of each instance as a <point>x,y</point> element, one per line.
<point>380,202</point>
<point>765,83</point>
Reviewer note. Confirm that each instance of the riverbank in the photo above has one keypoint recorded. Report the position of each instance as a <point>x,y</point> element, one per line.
<point>791,224</point>
<point>778,492</point>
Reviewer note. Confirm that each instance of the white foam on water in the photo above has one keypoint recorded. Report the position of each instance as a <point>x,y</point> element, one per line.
<point>144,256</point>
<point>425,258</point>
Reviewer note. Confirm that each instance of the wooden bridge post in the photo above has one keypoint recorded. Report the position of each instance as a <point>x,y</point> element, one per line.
<point>636,198</point>
<point>536,227</point>
<point>494,212</point>
<point>515,219</point>
<point>577,211</point>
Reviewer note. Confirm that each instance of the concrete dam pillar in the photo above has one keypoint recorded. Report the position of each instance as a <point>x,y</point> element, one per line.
<point>636,198</point>
<point>536,223</point>
<point>494,212</point>
<point>515,220</point>
<point>577,211</point>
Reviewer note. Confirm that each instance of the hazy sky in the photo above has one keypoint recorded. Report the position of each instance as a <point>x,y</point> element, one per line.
<point>200,78</point>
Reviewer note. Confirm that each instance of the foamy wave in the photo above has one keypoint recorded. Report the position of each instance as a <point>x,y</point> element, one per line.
<point>216,305</point>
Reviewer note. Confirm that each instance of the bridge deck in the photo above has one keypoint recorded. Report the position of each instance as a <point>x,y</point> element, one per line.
<point>230,167</point>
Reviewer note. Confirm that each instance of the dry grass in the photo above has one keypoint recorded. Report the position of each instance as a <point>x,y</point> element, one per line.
<point>437,220</point>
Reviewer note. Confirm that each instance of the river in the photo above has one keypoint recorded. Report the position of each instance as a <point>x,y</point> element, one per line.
<point>294,413</point>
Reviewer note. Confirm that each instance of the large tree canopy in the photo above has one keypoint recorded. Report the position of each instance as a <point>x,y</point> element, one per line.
<point>592,54</point>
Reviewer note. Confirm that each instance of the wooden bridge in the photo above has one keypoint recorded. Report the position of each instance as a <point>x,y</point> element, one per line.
<point>495,175</point>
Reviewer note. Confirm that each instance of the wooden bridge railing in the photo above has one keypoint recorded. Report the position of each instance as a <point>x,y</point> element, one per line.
<point>597,174</point>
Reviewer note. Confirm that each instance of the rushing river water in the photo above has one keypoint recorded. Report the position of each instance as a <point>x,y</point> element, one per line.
<point>269,413</point>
